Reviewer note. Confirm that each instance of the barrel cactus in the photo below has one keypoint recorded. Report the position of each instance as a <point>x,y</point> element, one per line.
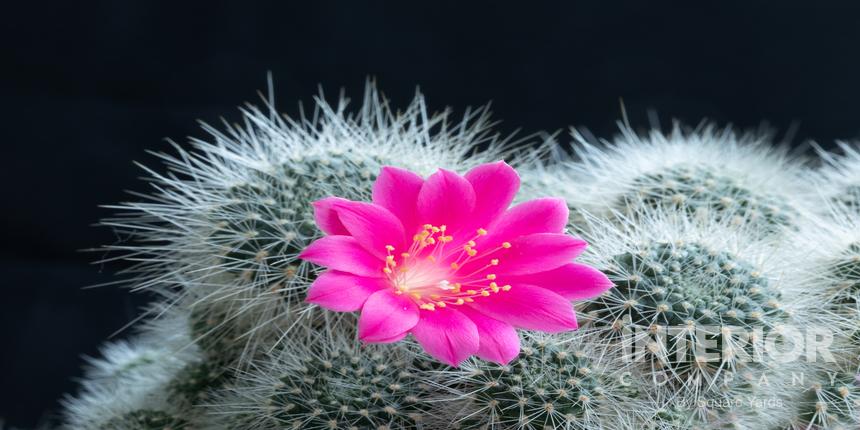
<point>229,217</point>
<point>691,302</point>
<point>557,382</point>
<point>330,383</point>
<point>706,172</point>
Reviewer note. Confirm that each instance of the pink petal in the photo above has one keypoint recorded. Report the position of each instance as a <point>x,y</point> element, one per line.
<point>343,292</point>
<point>392,339</point>
<point>343,253</point>
<point>544,215</point>
<point>495,186</point>
<point>498,341</point>
<point>446,199</point>
<point>326,218</point>
<point>397,190</point>
<point>374,227</point>
<point>447,335</point>
<point>538,253</point>
<point>572,281</point>
<point>529,307</point>
<point>386,316</point>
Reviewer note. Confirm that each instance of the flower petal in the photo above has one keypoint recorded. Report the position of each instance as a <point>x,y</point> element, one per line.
<point>446,198</point>
<point>538,253</point>
<point>495,186</point>
<point>572,281</point>
<point>397,190</point>
<point>343,292</point>
<point>529,307</point>
<point>342,253</point>
<point>386,316</point>
<point>374,227</point>
<point>447,335</point>
<point>498,341</point>
<point>326,218</point>
<point>544,215</point>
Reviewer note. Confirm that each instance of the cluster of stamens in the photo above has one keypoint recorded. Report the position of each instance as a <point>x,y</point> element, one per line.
<point>430,273</point>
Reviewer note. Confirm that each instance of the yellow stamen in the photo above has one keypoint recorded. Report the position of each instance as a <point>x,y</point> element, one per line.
<point>459,302</point>
<point>481,232</point>
<point>491,277</point>
<point>506,288</point>
<point>389,248</point>
<point>506,245</point>
<point>494,262</point>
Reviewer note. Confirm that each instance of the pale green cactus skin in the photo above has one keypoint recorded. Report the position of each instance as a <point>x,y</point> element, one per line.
<point>340,388</point>
<point>685,284</point>
<point>267,220</point>
<point>555,382</point>
<point>701,192</point>
<point>830,400</point>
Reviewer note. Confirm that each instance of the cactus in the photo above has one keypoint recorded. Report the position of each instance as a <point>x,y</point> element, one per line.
<point>831,400</point>
<point>708,172</point>
<point>683,285</point>
<point>706,235</point>
<point>556,382</point>
<point>132,387</point>
<point>700,192</point>
<point>329,384</point>
<point>226,224</point>
<point>691,303</point>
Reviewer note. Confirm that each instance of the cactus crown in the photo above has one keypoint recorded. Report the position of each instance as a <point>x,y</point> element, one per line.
<point>681,284</point>
<point>554,383</point>
<point>670,298</point>
<point>334,387</point>
<point>701,192</point>
<point>830,400</point>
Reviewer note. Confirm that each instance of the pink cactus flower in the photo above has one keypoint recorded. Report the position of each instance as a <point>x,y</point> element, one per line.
<point>448,261</point>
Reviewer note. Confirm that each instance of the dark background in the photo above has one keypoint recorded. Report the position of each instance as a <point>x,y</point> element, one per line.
<point>87,87</point>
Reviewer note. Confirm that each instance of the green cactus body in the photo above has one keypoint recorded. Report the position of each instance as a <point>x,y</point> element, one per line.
<point>348,390</point>
<point>830,401</point>
<point>146,420</point>
<point>269,218</point>
<point>699,191</point>
<point>550,385</point>
<point>691,289</point>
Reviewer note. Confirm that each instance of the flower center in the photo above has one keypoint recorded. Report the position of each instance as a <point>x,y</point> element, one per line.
<point>437,274</point>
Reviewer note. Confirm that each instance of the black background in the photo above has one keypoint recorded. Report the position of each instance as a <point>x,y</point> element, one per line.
<point>87,87</point>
